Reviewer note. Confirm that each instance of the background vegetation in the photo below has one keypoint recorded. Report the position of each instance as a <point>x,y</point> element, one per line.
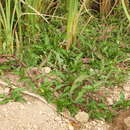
<point>85,43</point>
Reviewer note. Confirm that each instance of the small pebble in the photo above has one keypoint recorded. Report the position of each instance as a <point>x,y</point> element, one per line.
<point>126,88</point>
<point>46,70</point>
<point>110,101</point>
<point>82,117</point>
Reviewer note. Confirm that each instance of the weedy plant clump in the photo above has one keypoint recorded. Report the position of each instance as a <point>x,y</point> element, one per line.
<point>85,51</point>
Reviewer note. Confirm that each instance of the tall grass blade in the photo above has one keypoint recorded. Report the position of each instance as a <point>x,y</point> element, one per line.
<point>72,22</point>
<point>125,9</point>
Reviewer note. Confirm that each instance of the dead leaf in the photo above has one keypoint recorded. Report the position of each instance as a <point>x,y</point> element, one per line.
<point>3,60</point>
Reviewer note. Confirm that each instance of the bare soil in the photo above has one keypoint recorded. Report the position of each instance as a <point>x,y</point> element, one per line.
<point>118,122</point>
<point>30,116</point>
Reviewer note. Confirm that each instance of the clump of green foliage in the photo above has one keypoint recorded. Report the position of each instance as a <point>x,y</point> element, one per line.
<point>99,60</point>
<point>14,95</point>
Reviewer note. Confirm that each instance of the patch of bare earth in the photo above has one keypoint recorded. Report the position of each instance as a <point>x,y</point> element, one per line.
<point>121,122</point>
<point>37,115</point>
<point>30,116</point>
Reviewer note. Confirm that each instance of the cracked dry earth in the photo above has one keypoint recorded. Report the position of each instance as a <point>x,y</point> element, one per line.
<point>36,115</point>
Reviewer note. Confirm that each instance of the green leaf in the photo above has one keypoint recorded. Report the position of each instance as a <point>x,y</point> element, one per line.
<point>79,79</point>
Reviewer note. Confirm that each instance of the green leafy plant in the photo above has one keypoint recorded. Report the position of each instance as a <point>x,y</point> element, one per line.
<point>15,95</point>
<point>122,103</point>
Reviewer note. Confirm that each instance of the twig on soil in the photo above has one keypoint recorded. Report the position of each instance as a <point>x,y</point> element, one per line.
<point>37,97</point>
<point>24,92</point>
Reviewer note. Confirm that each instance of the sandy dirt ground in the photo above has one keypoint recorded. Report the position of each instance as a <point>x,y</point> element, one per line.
<point>30,116</point>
